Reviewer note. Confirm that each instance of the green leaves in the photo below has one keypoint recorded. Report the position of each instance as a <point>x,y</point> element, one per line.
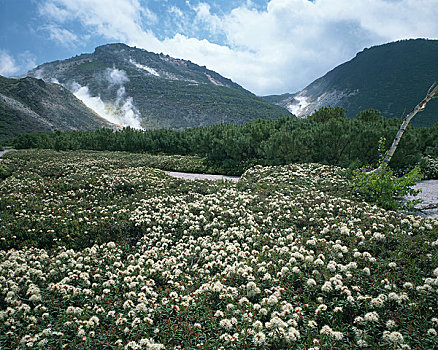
<point>385,190</point>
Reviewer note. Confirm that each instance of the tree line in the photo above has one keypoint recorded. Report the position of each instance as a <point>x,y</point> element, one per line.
<point>327,137</point>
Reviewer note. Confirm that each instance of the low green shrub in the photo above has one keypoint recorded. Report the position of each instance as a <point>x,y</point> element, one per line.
<point>384,189</point>
<point>429,167</point>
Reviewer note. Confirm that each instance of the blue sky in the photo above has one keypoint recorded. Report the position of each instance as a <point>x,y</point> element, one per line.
<point>268,47</point>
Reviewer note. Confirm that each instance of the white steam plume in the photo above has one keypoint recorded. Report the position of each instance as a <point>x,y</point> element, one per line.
<point>116,76</point>
<point>121,113</point>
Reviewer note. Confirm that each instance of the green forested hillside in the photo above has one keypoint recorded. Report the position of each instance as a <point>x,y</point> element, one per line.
<point>392,78</point>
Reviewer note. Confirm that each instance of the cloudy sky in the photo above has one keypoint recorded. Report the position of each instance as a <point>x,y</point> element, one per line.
<point>269,47</point>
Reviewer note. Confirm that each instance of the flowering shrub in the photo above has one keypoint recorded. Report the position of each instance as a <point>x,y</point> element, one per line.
<point>285,258</point>
<point>429,167</point>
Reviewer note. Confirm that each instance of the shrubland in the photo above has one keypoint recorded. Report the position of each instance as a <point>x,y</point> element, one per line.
<point>326,137</point>
<point>99,250</point>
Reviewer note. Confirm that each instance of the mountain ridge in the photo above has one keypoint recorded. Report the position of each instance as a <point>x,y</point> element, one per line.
<point>135,87</point>
<point>30,104</point>
<point>392,78</point>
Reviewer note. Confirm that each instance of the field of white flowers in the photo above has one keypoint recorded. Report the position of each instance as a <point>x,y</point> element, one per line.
<point>100,251</point>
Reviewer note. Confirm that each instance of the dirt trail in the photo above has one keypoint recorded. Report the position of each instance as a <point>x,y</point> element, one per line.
<point>192,176</point>
<point>429,195</point>
<point>4,152</point>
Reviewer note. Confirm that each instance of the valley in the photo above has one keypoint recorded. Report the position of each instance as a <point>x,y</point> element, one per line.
<point>115,236</point>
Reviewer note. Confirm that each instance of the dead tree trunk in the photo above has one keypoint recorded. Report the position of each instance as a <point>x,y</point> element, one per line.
<point>433,90</point>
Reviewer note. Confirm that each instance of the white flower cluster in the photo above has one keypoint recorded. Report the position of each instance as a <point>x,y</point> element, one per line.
<point>277,260</point>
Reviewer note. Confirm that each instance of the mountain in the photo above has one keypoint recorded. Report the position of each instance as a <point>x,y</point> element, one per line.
<point>134,87</point>
<point>29,105</point>
<point>392,78</point>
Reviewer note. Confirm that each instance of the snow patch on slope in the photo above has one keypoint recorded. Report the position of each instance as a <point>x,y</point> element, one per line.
<point>146,68</point>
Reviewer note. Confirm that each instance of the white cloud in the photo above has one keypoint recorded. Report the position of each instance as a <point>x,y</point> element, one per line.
<point>280,48</point>
<point>50,10</point>
<point>27,60</point>
<point>10,65</point>
<point>204,16</point>
<point>119,19</point>
<point>176,11</point>
<point>7,64</point>
<point>61,35</point>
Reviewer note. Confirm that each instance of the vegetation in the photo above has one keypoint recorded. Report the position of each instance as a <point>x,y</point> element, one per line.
<point>180,95</point>
<point>110,254</point>
<point>32,105</point>
<point>383,188</point>
<point>386,77</point>
<point>326,137</point>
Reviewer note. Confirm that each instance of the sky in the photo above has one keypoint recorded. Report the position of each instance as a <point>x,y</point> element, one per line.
<point>268,47</point>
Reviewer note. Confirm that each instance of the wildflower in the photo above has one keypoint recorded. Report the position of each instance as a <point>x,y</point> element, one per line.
<point>257,325</point>
<point>292,335</point>
<point>226,323</point>
<point>312,324</point>
<point>371,317</point>
<point>81,332</point>
<point>393,337</point>
<point>218,313</point>
<point>362,343</point>
<point>311,282</point>
<point>321,308</point>
<point>390,324</point>
<point>327,287</point>
<point>326,330</point>
<point>259,339</point>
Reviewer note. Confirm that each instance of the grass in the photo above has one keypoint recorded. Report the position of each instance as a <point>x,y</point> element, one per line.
<point>99,250</point>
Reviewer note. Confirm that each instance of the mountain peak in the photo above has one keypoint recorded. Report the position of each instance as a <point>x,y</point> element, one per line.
<point>134,87</point>
<point>391,77</point>
<point>112,47</point>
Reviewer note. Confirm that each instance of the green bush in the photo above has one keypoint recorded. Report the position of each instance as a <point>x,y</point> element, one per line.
<point>429,167</point>
<point>384,189</point>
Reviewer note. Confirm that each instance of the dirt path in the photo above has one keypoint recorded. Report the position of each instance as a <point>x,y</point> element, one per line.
<point>4,152</point>
<point>191,176</point>
<point>429,195</point>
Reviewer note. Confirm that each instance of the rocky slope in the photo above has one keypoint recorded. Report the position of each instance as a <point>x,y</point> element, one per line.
<point>137,88</point>
<point>29,105</point>
<point>392,78</point>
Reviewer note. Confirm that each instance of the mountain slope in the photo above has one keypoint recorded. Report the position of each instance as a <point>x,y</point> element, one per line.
<point>137,88</point>
<point>392,78</point>
<point>29,105</point>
